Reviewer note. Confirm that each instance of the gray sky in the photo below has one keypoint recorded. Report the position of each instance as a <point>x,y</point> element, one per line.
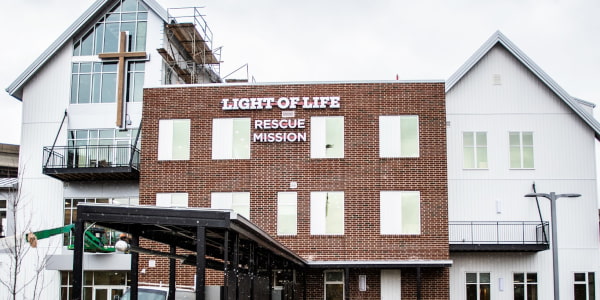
<point>330,40</point>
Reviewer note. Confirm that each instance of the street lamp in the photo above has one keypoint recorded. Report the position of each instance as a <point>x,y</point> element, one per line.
<point>552,197</point>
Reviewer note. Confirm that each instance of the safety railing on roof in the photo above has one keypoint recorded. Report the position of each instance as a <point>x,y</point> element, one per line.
<point>96,156</point>
<point>498,232</point>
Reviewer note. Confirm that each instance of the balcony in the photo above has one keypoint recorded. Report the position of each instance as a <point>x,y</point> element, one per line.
<point>89,163</point>
<point>511,236</point>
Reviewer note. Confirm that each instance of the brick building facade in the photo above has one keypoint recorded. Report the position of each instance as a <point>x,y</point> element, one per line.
<point>352,181</point>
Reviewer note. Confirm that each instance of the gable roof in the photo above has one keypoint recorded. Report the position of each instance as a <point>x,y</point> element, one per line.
<point>15,89</point>
<point>499,38</point>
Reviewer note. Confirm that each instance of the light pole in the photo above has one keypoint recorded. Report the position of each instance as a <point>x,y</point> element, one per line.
<point>552,197</point>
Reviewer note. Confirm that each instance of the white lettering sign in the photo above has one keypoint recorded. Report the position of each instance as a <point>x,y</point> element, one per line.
<point>281,103</point>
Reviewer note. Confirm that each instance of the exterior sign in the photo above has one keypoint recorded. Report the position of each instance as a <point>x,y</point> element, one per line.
<point>262,128</point>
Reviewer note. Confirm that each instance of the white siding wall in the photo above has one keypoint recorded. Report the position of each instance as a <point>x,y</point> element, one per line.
<point>564,163</point>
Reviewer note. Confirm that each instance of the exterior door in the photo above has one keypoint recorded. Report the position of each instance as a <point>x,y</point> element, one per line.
<point>390,285</point>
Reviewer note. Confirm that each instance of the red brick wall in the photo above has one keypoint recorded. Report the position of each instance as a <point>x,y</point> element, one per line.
<point>361,174</point>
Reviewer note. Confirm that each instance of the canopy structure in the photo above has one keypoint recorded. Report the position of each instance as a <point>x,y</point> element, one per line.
<point>220,240</point>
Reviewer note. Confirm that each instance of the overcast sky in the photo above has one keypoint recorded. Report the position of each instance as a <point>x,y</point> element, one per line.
<point>332,40</point>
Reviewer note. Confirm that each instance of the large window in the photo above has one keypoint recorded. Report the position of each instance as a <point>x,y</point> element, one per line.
<point>334,285</point>
<point>521,150</point>
<point>327,137</point>
<point>172,199</point>
<point>400,212</point>
<point>127,15</point>
<point>100,147</point>
<point>94,82</point>
<point>584,286</point>
<point>287,213</point>
<point>327,213</point>
<point>478,286</point>
<point>525,286</point>
<point>239,202</point>
<point>475,150</point>
<point>71,214</point>
<point>399,136</point>
<point>231,138</point>
<point>96,284</point>
<point>174,139</point>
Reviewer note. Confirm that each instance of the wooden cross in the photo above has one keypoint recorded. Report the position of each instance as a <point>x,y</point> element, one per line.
<point>121,75</point>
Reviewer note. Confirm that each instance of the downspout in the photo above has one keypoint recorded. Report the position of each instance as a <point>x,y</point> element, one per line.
<point>540,213</point>
<point>56,138</point>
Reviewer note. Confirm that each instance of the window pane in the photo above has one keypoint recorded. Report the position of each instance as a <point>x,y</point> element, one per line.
<point>471,277</point>
<point>484,292</point>
<point>591,286</point>
<point>181,139</point>
<point>286,213</point>
<point>514,138</point>
<point>580,292</point>
<point>87,44</point>
<point>140,37</point>
<point>532,292</point>
<point>471,292</point>
<point>531,277</point>
<point>519,277</point>
<point>389,139</point>
<point>528,157</point>
<point>99,38</point>
<point>409,136</point>
<point>334,292</point>
<point>482,158</point>
<point>334,137</point>
<point>579,276</point>
<point>241,138</point>
<point>515,157</point>
<point>111,38</point>
<point>335,276</point>
<point>482,139</point>
<point>137,88</point>
<point>334,213</point>
<point>468,139</point>
<point>527,138</point>
<point>84,88</point>
<point>96,81</point>
<point>390,203</point>
<point>240,203</point>
<point>469,158</point>
<point>179,200</point>
<point>484,277</point>
<point>109,88</point>
<point>519,292</point>
<point>411,215</point>
<point>74,86</point>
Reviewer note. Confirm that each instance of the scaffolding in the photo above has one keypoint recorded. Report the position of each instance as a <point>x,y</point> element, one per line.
<point>189,51</point>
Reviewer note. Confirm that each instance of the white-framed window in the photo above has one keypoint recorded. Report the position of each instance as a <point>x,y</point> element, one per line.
<point>478,286</point>
<point>327,137</point>
<point>584,286</point>
<point>334,284</point>
<point>239,202</point>
<point>287,213</point>
<point>399,136</point>
<point>475,150</point>
<point>172,199</point>
<point>174,139</point>
<point>97,284</point>
<point>525,286</point>
<point>231,138</point>
<point>400,212</point>
<point>521,150</point>
<point>106,147</point>
<point>327,213</point>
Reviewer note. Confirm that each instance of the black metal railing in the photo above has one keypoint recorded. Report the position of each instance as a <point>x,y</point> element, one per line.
<point>98,156</point>
<point>498,232</point>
